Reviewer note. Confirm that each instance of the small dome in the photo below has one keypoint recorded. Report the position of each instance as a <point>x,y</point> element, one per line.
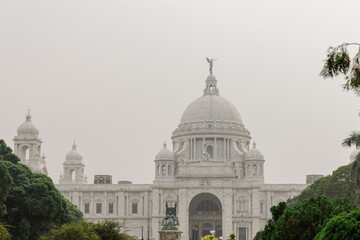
<point>164,154</point>
<point>255,154</point>
<point>27,129</point>
<point>211,78</point>
<point>74,155</point>
<point>353,154</point>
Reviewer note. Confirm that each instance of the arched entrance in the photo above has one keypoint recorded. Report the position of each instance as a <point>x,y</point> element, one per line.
<point>205,214</point>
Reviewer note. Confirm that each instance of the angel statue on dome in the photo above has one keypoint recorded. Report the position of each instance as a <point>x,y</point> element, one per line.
<point>211,62</point>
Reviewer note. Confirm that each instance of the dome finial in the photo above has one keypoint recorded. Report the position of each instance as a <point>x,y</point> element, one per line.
<point>74,146</point>
<point>211,80</point>
<point>164,144</point>
<point>28,116</point>
<point>254,144</point>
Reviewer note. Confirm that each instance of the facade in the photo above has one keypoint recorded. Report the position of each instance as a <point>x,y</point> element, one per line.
<point>214,175</point>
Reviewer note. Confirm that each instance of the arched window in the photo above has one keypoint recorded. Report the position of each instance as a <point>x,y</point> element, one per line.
<point>254,169</point>
<point>309,180</point>
<point>163,170</point>
<point>209,150</point>
<point>260,170</point>
<point>72,172</point>
<point>95,180</point>
<point>107,180</point>
<point>207,206</point>
<point>101,180</point>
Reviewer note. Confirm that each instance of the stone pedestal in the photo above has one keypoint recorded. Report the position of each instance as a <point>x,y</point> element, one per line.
<point>170,234</point>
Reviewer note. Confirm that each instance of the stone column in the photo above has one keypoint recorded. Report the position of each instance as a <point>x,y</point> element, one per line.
<point>227,212</point>
<point>255,213</point>
<point>195,157</point>
<point>105,205</point>
<point>155,214</point>
<point>92,204</point>
<point>121,204</point>
<point>215,150</point>
<point>183,214</point>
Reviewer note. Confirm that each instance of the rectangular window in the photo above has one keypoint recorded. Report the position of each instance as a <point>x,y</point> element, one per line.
<point>134,208</point>
<point>261,207</point>
<point>242,233</point>
<point>87,208</point>
<point>111,208</point>
<point>242,206</point>
<point>98,207</point>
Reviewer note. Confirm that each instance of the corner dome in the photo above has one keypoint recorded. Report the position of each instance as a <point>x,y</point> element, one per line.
<point>210,107</point>
<point>74,155</point>
<point>255,154</point>
<point>164,154</point>
<point>27,129</point>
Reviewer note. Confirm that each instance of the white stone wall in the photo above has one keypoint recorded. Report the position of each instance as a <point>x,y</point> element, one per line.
<point>151,200</point>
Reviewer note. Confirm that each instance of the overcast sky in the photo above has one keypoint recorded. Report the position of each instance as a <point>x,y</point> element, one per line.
<point>116,76</point>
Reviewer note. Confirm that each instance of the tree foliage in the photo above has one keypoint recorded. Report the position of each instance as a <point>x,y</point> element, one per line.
<point>4,233</point>
<point>232,236</point>
<point>342,226</point>
<point>209,237</point>
<point>30,202</point>
<point>338,62</point>
<point>304,220</point>
<point>341,183</point>
<point>107,230</point>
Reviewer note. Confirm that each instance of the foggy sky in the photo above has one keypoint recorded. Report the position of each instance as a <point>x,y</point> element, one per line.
<point>116,77</point>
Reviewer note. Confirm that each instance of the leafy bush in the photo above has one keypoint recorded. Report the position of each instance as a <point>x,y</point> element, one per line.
<point>343,226</point>
<point>107,230</point>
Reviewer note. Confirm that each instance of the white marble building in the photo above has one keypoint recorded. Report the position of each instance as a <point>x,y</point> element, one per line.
<point>214,176</point>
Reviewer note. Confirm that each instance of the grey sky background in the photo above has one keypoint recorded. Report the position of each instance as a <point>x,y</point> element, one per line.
<point>116,76</point>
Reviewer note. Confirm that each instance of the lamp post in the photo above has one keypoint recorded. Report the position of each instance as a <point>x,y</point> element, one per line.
<point>142,232</point>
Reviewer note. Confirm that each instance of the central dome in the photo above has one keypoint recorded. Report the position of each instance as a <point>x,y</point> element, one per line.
<point>210,107</point>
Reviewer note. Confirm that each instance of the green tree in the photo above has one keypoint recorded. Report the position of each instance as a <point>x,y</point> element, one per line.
<point>338,62</point>
<point>304,220</point>
<point>342,226</point>
<point>30,202</point>
<point>73,231</point>
<point>111,230</point>
<point>4,233</point>
<point>107,230</point>
<point>340,184</point>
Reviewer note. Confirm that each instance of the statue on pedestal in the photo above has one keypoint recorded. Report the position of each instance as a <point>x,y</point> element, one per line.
<point>170,221</point>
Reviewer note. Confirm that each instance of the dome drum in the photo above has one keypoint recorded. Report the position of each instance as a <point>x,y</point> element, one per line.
<point>211,127</point>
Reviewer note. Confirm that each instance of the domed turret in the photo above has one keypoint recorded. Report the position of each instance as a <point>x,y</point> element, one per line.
<point>254,165</point>
<point>73,168</point>
<point>28,129</point>
<point>74,155</point>
<point>164,153</point>
<point>164,164</point>
<point>27,146</point>
<point>255,154</point>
